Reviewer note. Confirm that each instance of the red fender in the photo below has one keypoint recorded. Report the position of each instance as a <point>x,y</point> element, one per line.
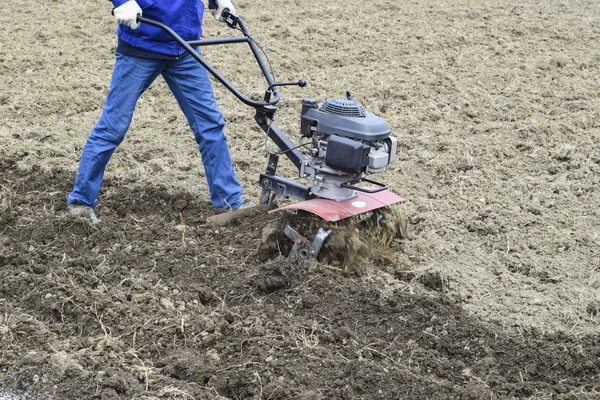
<point>331,210</point>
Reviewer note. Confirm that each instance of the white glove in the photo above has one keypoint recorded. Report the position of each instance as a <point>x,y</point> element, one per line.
<point>222,5</point>
<point>127,13</point>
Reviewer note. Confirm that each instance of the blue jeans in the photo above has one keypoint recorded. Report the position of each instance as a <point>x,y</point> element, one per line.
<point>191,86</point>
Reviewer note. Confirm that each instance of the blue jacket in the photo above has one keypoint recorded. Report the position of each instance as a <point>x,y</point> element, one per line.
<point>183,16</point>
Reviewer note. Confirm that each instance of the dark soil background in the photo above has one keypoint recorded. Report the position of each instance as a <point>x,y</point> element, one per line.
<point>493,294</point>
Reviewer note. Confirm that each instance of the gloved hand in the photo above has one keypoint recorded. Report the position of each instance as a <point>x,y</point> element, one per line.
<point>221,6</point>
<point>127,13</point>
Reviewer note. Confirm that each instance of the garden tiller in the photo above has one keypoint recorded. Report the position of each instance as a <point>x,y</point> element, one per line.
<point>341,144</point>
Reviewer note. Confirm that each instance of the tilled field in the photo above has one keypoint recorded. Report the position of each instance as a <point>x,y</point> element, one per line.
<point>493,294</point>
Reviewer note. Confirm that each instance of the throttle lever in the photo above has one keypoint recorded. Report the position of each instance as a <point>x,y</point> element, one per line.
<point>301,83</point>
<point>269,91</point>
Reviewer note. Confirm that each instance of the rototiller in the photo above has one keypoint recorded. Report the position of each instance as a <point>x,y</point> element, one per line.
<point>342,143</point>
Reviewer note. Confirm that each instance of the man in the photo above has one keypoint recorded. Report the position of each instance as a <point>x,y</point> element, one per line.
<point>143,53</point>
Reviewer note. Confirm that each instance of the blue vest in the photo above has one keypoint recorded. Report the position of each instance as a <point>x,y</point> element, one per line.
<point>183,16</point>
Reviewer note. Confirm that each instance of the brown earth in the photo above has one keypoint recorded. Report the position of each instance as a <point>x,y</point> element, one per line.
<point>494,294</point>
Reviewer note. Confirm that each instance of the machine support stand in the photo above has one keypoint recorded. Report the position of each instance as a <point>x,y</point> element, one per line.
<point>267,196</point>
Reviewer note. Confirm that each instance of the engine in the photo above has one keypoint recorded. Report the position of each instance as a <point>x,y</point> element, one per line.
<point>346,144</point>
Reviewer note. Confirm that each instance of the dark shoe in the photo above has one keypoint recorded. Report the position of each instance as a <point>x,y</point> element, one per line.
<point>80,210</point>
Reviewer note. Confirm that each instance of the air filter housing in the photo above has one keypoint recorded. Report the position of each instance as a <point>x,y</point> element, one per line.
<point>344,107</point>
<point>343,117</point>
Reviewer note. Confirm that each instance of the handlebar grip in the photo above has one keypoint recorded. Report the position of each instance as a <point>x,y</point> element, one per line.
<point>214,6</point>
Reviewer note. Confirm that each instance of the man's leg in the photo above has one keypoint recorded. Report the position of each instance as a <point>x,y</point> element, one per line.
<point>131,77</point>
<point>189,82</point>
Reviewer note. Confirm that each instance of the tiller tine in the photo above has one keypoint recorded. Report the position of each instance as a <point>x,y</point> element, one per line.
<point>303,249</point>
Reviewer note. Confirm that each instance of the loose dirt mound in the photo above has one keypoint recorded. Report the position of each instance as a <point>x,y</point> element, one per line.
<point>494,294</point>
<point>157,303</point>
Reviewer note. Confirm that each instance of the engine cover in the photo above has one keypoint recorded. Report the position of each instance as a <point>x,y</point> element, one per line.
<point>343,117</point>
<point>346,143</point>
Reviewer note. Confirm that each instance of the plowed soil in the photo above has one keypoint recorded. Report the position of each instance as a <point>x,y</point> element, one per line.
<point>493,294</point>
